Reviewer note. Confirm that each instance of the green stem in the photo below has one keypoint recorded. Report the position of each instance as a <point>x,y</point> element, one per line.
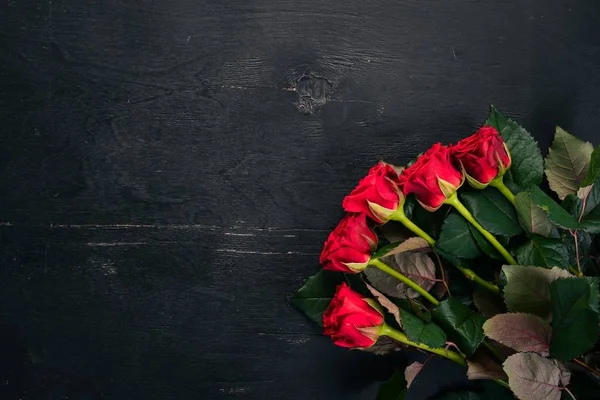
<point>402,338</point>
<point>498,183</point>
<point>472,276</point>
<point>502,383</point>
<point>494,352</point>
<point>440,351</point>
<point>407,281</point>
<point>402,218</point>
<point>454,202</point>
<point>469,274</point>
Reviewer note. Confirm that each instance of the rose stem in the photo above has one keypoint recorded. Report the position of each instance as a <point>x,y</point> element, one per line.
<point>402,338</point>
<point>493,351</point>
<point>592,370</point>
<point>468,273</point>
<point>407,281</point>
<point>401,217</point>
<point>454,202</point>
<point>472,276</point>
<point>502,383</point>
<point>440,351</point>
<point>498,183</point>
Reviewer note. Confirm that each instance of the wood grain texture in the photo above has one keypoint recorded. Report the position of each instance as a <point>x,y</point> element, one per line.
<point>170,169</point>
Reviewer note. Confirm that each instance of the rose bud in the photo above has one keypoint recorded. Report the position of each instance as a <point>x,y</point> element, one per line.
<point>349,247</point>
<point>483,156</point>
<point>351,320</point>
<point>377,194</point>
<point>432,178</point>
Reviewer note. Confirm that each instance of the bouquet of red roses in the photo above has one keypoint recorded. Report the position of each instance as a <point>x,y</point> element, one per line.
<point>462,255</point>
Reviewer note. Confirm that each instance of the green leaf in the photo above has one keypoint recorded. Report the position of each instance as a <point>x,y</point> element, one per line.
<point>314,297</point>
<point>574,321</point>
<point>395,388</point>
<point>586,206</point>
<point>594,168</point>
<point>567,163</point>
<point>528,288</point>
<point>492,210</point>
<point>463,325</point>
<point>383,250</point>
<point>484,245</point>
<point>430,222</point>
<point>417,308</point>
<point>558,215</point>
<point>572,204</point>
<point>409,206</point>
<point>527,164</point>
<point>532,218</point>
<point>422,332</point>
<point>456,238</point>
<point>543,252</point>
<point>590,200</point>
<point>593,282</point>
<point>460,287</point>
<point>584,249</point>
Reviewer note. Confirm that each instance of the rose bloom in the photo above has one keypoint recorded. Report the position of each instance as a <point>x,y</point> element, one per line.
<point>483,155</point>
<point>376,195</point>
<point>432,178</point>
<point>350,320</point>
<point>349,247</point>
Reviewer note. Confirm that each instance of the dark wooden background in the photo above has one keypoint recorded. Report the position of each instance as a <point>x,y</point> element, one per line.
<point>170,169</point>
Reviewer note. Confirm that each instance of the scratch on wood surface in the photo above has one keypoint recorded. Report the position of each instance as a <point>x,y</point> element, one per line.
<point>267,253</point>
<point>296,341</point>
<point>351,101</point>
<point>136,226</point>
<point>234,87</point>
<point>112,244</point>
<point>109,268</point>
<point>240,390</point>
<point>169,226</point>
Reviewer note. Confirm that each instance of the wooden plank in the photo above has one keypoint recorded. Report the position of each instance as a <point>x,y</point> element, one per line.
<point>170,170</point>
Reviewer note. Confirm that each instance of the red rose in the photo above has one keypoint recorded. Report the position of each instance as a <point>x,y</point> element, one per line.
<point>483,156</point>
<point>432,178</point>
<point>377,194</point>
<point>349,247</point>
<point>350,320</point>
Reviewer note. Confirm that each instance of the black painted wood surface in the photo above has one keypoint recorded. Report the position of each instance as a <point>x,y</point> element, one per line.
<point>170,169</point>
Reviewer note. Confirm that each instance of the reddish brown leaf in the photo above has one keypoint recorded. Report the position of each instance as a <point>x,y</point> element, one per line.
<point>417,266</point>
<point>533,377</point>
<point>519,331</point>
<point>412,371</point>
<point>482,366</point>
<point>384,301</point>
